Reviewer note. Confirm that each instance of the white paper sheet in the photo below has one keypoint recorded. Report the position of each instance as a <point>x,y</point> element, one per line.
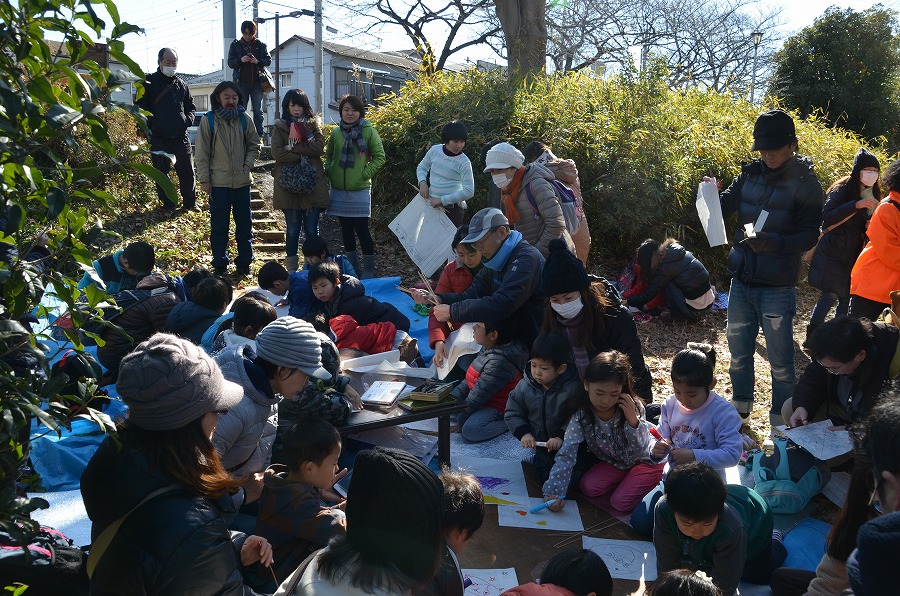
<point>824,444</point>
<point>459,343</point>
<point>837,488</point>
<point>625,559</point>
<point>567,520</point>
<point>502,482</point>
<point>425,232</point>
<point>490,582</point>
<point>709,210</point>
<point>370,362</point>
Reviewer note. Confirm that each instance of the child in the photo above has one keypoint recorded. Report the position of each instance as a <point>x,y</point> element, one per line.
<point>570,573</point>
<point>445,173</point>
<point>723,531</point>
<point>463,515</point>
<point>292,516</point>
<point>610,422</point>
<point>541,404</point>
<point>315,251</point>
<point>696,424</point>
<point>251,314</point>
<point>492,375</point>
<point>123,269</point>
<point>273,277</point>
<point>191,319</point>
<point>684,582</point>
<point>226,149</point>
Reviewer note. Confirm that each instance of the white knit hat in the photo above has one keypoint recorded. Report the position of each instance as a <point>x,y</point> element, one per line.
<point>502,156</point>
<point>292,343</point>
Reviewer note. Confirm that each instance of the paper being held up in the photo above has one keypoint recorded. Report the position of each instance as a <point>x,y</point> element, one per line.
<point>709,210</point>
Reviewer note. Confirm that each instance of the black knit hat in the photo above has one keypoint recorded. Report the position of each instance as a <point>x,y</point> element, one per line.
<point>864,159</point>
<point>454,131</point>
<point>773,129</point>
<point>563,272</point>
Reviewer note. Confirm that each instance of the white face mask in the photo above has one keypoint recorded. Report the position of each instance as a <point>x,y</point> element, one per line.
<point>568,310</point>
<point>169,71</point>
<point>868,177</point>
<point>500,180</point>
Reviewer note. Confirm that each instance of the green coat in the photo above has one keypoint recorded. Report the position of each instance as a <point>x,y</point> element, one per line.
<point>359,177</point>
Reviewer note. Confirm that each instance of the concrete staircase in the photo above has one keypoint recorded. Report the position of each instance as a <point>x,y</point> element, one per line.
<point>267,237</point>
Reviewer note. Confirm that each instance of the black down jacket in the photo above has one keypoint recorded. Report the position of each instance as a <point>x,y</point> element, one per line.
<point>673,263</point>
<point>838,249</point>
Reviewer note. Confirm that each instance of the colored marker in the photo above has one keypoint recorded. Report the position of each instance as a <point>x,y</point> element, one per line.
<point>466,583</point>
<point>655,433</point>
<point>540,443</point>
<point>546,504</point>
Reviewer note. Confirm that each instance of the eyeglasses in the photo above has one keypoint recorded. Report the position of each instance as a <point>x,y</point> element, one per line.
<point>479,244</point>
<point>834,370</point>
<point>874,501</point>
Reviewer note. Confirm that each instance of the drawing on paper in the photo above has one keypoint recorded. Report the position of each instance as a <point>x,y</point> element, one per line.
<point>626,559</point>
<point>502,482</point>
<point>490,582</point>
<point>567,520</point>
<point>824,444</point>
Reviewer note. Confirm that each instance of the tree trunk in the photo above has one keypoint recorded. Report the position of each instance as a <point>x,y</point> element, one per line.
<point>525,30</point>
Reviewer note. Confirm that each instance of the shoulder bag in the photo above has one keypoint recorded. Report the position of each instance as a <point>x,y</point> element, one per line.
<point>808,255</point>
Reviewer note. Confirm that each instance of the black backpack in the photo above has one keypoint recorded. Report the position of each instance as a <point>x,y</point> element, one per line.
<point>50,565</point>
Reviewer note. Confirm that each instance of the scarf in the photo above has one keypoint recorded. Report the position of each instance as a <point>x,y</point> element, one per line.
<point>353,136</point>
<point>230,113</point>
<point>509,195</point>
<point>298,131</point>
<point>497,262</point>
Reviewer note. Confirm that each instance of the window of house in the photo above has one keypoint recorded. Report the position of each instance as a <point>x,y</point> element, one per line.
<point>201,102</point>
<point>368,88</point>
<point>285,80</point>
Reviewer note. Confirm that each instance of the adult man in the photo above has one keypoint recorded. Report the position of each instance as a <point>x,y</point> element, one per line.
<point>779,201</point>
<point>169,101</point>
<point>509,284</point>
<point>247,56</point>
<point>851,362</point>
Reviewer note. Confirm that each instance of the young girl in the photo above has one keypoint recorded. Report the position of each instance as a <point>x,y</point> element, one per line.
<point>445,173</point>
<point>352,156</point>
<point>696,424</point>
<point>295,135</point>
<point>610,422</point>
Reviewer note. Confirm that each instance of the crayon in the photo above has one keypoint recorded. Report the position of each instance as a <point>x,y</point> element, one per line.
<point>546,504</point>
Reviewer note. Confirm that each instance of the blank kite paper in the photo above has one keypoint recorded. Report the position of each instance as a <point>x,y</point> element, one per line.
<point>490,582</point>
<point>626,559</point>
<point>567,520</point>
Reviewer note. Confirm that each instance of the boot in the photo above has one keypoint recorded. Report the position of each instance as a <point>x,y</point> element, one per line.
<point>354,260</point>
<point>809,330</point>
<point>368,267</point>
<point>292,263</point>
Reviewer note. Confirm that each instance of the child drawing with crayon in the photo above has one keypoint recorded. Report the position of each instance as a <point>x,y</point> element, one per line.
<point>610,421</point>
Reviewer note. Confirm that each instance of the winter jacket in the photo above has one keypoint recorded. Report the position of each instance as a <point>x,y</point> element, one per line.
<point>190,320</point>
<point>877,270</point>
<point>138,322</point>
<point>175,543</point>
<point>743,530</point>
<point>491,376</point>
<point>237,50</point>
<point>221,160</point>
<point>358,177</point>
<point>837,251</point>
<point>311,583</point>
<point>673,263</point>
<point>244,435</point>
<point>455,278</point>
<point>514,290</point>
<point>174,112</point>
<point>312,147</point>
<point>114,276</point>
<point>872,567</point>
<point>351,300</point>
<point>544,413</point>
<point>373,338</point>
<point>540,226</point>
<point>793,198</point>
<point>533,589</point>
<point>295,521</point>
<point>817,386</point>
<point>831,577</point>
<point>449,580</point>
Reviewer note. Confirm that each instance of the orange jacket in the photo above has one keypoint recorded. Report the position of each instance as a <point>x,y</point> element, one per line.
<point>877,270</point>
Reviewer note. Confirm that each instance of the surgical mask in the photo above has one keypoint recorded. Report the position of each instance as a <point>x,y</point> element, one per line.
<point>568,310</point>
<point>500,180</point>
<point>868,177</point>
<point>169,71</point>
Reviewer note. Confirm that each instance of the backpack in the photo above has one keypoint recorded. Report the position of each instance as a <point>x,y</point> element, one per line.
<point>571,208</point>
<point>52,564</point>
<point>797,476</point>
<point>210,117</point>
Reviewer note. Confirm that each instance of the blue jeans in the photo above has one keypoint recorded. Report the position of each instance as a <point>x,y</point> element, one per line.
<point>678,304</point>
<point>294,219</point>
<point>826,301</point>
<point>642,518</point>
<point>253,97</point>
<point>222,202</point>
<point>482,425</point>
<point>773,308</point>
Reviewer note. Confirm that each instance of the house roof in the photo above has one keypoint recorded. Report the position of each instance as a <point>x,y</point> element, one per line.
<point>336,49</point>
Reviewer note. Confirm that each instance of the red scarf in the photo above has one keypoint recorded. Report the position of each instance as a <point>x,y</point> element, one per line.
<point>510,194</point>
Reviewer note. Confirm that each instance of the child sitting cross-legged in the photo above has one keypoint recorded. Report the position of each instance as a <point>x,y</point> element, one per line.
<point>570,573</point>
<point>315,251</point>
<point>292,515</point>
<point>539,407</point>
<point>725,531</point>
<point>489,379</point>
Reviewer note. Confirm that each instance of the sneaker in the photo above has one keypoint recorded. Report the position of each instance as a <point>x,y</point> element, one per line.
<point>242,271</point>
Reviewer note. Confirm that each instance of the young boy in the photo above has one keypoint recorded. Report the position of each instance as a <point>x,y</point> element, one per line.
<point>123,269</point>
<point>345,295</point>
<point>315,251</point>
<point>445,173</point>
<point>292,515</point>
<point>191,319</point>
<point>273,277</point>
<point>496,371</point>
<point>542,403</point>
<point>725,531</point>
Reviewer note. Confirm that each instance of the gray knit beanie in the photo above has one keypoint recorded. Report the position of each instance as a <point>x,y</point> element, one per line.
<point>168,382</point>
<point>292,343</point>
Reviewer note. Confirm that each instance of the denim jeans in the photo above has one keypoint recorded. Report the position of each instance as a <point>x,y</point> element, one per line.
<point>253,97</point>
<point>222,202</point>
<point>826,301</point>
<point>294,219</point>
<point>482,425</point>
<point>773,308</point>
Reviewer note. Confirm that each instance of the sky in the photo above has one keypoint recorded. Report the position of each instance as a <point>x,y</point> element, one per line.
<point>193,28</point>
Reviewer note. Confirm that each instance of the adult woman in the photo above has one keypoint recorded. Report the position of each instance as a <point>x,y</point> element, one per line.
<point>877,270</point>
<point>565,171</point>
<point>163,476</point>
<point>393,543</point>
<point>591,316</point>
<point>670,268</point>
<point>851,201</point>
<point>540,223</point>
<point>352,156</point>
<point>295,135</point>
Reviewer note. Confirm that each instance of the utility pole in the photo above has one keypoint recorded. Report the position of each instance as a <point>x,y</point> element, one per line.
<point>319,62</point>
<point>255,10</point>
<point>229,30</point>
<point>277,73</point>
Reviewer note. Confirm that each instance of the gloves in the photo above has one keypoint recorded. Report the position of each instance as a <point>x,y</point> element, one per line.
<point>765,242</point>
